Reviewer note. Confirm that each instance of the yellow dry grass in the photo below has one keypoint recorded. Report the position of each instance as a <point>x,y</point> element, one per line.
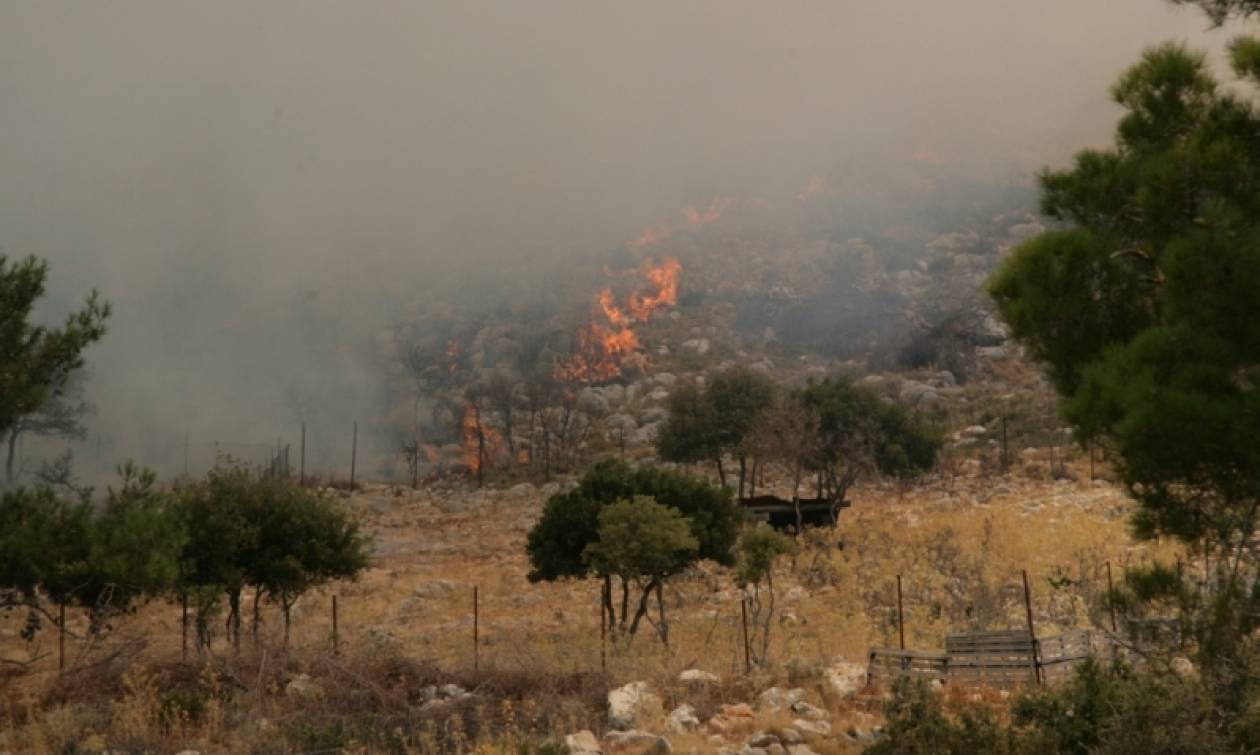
<point>959,544</point>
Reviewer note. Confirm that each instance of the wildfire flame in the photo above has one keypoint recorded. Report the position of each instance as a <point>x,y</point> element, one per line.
<point>469,442</point>
<point>697,218</point>
<point>651,236</point>
<point>607,344</point>
<point>452,357</point>
<point>817,185</point>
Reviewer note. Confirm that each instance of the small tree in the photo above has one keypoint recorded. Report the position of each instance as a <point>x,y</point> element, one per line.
<point>570,522</point>
<point>61,416</point>
<point>708,424</point>
<point>35,361</point>
<point>759,548</point>
<point>305,540</point>
<point>643,542</point>
<point>859,432</point>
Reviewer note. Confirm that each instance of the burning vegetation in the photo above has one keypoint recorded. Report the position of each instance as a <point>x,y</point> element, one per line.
<point>608,344</point>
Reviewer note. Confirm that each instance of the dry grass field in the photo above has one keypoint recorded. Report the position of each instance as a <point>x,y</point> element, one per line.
<point>959,544</point>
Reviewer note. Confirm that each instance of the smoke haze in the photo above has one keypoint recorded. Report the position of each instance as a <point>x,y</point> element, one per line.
<point>259,188</point>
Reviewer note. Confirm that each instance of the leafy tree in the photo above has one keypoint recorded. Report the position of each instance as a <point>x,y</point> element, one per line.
<point>269,533</point>
<point>1144,312</point>
<point>103,558</point>
<point>708,424</point>
<point>759,548</point>
<point>60,416</point>
<point>1221,10</point>
<point>739,398</point>
<point>689,434</point>
<point>570,522</point>
<point>305,540</point>
<point>218,515</point>
<point>859,432</point>
<point>36,361</point>
<point>644,542</point>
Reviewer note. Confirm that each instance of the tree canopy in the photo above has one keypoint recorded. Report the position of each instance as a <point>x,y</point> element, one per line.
<point>1144,310</point>
<point>625,522</point>
<point>37,361</point>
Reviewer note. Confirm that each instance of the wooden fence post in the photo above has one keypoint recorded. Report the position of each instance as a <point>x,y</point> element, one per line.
<point>335,637</point>
<point>1111,603</point>
<point>603,627</point>
<point>1031,630</point>
<point>1006,452</point>
<point>901,617</point>
<point>743,607</point>
<point>183,626</point>
<point>476,630</point>
<point>354,452</point>
<point>61,637</point>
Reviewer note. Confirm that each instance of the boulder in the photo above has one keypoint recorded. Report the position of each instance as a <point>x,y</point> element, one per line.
<point>763,739</point>
<point>632,705</point>
<point>592,401</point>
<point>654,414</point>
<point>304,687</point>
<point>846,678</point>
<point>732,718</point>
<point>434,589</point>
<point>776,698</point>
<point>582,743</point>
<point>812,728</point>
<point>523,490</point>
<point>615,394</point>
<point>696,678</point>
<point>807,711</point>
<point>699,345</point>
<point>682,719</point>
<point>799,749</point>
<point>636,741</point>
<point>790,736</point>
<point>665,379</point>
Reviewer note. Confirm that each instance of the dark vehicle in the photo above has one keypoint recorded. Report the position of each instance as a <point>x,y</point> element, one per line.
<point>780,513</point>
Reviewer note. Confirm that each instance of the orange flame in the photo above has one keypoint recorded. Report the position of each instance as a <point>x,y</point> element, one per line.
<point>651,236</point>
<point>607,344</point>
<point>468,431</point>
<point>697,218</point>
<point>430,452</point>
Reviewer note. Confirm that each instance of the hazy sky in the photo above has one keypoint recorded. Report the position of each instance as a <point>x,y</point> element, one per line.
<point>253,183</point>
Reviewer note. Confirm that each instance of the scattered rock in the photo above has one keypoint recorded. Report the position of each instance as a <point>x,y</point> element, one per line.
<point>811,712</point>
<point>434,589</point>
<point>698,345</point>
<point>733,718</point>
<point>639,741</point>
<point>582,743</point>
<point>1184,668</point>
<point>304,687</point>
<point>815,728</point>
<point>631,705</point>
<point>665,379</point>
<point>790,736</point>
<point>799,750</point>
<point>762,739</point>
<point>592,401</point>
<point>697,678</point>
<point>777,698</point>
<point>682,719</point>
<point>846,678</point>
<point>523,490</point>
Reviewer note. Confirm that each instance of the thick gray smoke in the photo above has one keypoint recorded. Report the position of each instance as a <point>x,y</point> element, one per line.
<point>260,188</point>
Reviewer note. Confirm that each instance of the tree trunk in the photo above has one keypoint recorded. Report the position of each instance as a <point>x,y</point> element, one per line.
<point>625,603</point>
<point>721,471</point>
<point>288,613</point>
<point>257,613</point>
<point>662,628</point>
<point>752,480</point>
<point>606,600</point>
<point>234,618</point>
<point>8,463</point>
<point>641,611</point>
<point>743,472</point>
